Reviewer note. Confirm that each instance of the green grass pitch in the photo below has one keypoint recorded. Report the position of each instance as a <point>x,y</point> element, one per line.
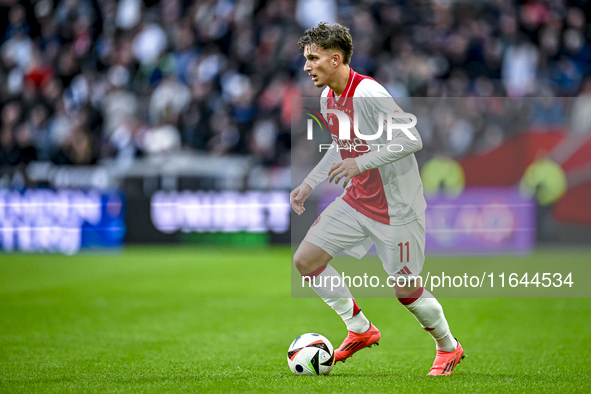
<point>189,319</point>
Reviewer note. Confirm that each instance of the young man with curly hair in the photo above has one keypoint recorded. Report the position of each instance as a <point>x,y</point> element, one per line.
<point>384,204</point>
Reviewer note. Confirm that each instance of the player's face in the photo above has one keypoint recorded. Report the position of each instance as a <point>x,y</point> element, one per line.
<point>318,65</point>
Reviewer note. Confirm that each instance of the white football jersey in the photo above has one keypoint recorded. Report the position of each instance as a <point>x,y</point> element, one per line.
<point>389,188</point>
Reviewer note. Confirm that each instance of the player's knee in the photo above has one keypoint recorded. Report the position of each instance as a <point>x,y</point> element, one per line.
<point>401,292</point>
<point>406,288</point>
<point>301,263</point>
<point>306,264</point>
<point>309,258</point>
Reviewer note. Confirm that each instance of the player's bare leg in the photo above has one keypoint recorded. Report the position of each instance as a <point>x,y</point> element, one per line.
<point>309,258</point>
<point>312,263</point>
<point>427,310</point>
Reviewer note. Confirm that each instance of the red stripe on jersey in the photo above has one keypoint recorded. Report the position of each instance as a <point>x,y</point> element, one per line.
<point>367,190</point>
<point>366,194</point>
<point>352,82</point>
<point>412,298</point>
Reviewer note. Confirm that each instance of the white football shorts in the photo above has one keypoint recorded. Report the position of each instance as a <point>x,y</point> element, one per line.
<point>341,228</point>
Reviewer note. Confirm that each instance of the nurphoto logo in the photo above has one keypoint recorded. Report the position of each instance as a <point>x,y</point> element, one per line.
<point>393,121</point>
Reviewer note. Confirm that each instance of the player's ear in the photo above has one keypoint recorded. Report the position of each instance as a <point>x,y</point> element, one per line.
<point>336,59</point>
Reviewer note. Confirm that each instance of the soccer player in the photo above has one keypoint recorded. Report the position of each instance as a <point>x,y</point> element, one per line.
<point>384,204</point>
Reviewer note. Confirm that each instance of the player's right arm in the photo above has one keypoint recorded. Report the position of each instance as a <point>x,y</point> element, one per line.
<point>315,177</point>
<point>298,196</point>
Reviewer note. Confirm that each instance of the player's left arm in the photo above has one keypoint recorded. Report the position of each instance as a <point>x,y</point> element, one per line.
<point>373,100</point>
<point>401,145</point>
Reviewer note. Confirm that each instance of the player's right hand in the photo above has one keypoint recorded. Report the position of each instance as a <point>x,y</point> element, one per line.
<point>298,196</point>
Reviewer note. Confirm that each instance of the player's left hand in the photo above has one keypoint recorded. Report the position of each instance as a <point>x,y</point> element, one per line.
<point>343,169</point>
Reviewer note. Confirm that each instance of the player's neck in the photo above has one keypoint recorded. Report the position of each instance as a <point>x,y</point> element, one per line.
<point>340,80</point>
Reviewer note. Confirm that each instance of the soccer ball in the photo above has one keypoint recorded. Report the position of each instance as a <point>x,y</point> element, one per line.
<point>310,354</point>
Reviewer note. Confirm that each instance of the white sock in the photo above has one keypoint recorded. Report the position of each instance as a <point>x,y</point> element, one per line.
<point>428,311</point>
<point>357,323</point>
<point>339,298</point>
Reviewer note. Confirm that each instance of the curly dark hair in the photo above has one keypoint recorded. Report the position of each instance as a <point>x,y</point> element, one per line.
<point>329,36</point>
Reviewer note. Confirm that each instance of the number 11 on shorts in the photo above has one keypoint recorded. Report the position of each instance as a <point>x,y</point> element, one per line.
<point>402,251</point>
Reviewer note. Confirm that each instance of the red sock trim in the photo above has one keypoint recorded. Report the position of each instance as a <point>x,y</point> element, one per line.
<point>356,308</point>
<point>412,298</point>
<point>314,273</point>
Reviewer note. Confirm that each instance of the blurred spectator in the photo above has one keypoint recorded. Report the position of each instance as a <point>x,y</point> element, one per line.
<point>226,136</point>
<point>129,13</point>
<point>519,68</point>
<point>119,103</point>
<point>164,139</point>
<point>149,43</point>
<point>168,101</point>
<point>11,114</point>
<point>39,124</point>
<point>310,12</point>
<point>79,147</point>
<point>127,140</point>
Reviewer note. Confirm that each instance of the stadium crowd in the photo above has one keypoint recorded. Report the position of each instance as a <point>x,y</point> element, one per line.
<point>82,80</point>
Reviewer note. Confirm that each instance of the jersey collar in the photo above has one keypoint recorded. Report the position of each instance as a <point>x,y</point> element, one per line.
<point>348,92</point>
